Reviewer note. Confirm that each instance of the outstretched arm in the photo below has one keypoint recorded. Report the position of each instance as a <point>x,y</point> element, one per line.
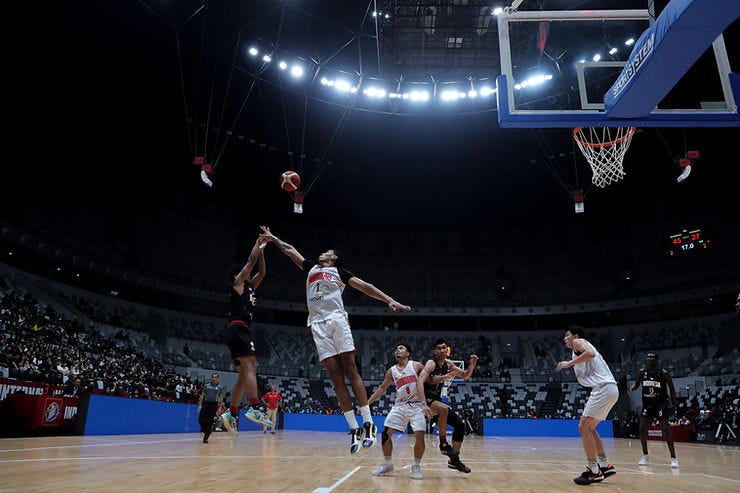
<point>261,268</point>
<point>243,275</point>
<point>465,375</point>
<point>381,388</point>
<point>286,248</point>
<point>374,292</point>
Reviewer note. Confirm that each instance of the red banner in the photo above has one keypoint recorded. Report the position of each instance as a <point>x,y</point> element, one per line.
<point>42,404</point>
<point>8,386</point>
<point>680,433</point>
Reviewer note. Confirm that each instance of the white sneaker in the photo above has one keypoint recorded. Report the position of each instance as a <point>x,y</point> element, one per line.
<point>356,441</point>
<point>385,469</point>
<point>368,436</point>
<point>230,423</point>
<point>644,460</point>
<point>416,471</point>
<point>674,463</point>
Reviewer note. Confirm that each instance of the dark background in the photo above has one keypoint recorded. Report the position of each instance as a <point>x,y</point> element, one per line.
<point>109,106</point>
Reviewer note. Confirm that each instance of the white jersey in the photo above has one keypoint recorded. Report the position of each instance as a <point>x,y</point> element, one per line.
<point>324,288</point>
<point>405,383</point>
<point>594,372</point>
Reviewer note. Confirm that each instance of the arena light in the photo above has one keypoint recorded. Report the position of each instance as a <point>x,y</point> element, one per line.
<point>374,92</point>
<point>253,51</point>
<point>282,65</point>
<point>596,57</point>
<point>486,91</point>
<point>342,85</point>
<point>417,95</point>
<point>452,95</point>
<point>533,81</point>
<point>630,42</point>
<point>267,58</point>
<point>613,51</point>
<point>296,71</point>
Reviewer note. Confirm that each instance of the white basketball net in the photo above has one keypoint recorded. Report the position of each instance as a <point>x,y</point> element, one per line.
<point>604,150</point>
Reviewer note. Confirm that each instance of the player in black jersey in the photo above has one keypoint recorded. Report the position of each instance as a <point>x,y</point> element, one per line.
<point>240,340</point>
<point>436,373</point>
<point>656,383</point>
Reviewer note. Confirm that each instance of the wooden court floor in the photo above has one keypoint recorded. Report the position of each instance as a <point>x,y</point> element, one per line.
<point>319,462</point>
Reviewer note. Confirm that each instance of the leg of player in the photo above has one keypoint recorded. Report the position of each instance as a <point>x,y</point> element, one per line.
<point>387,444</point>
<point>644,424</point>
<point>666,426</point>
<point>369,432</point>
<point>587,430</point>
<point>458,435</point>
<point>419,448</point>
<point>335,371</point>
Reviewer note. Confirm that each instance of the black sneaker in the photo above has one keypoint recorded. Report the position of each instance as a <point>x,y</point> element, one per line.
<point>447,449</point>
<point>456,463</point>
<point>587,477</point>
<point>607,471</point>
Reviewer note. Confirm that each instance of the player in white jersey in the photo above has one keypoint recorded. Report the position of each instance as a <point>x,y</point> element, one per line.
<point>410,408</point>
<point>325,283</point>
<point>591,371</point>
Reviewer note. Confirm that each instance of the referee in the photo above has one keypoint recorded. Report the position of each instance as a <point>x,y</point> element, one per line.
<point>211,399</point>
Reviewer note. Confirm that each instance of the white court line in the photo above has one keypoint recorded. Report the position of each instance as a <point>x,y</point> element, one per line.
<point>719,477</point>
<point>56,447</point>
<point>342,480</point>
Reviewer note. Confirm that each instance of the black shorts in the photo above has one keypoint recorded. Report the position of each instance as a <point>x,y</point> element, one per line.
<point>239,340</point>
<point>658,411</point>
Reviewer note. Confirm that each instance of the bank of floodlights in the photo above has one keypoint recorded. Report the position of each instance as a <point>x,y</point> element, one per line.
<point>377,90</point>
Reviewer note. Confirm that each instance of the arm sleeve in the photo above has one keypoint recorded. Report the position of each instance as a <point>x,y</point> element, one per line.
<point>345,275</point>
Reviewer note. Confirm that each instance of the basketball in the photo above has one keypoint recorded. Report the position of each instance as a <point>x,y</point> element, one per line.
<point>290,181</point>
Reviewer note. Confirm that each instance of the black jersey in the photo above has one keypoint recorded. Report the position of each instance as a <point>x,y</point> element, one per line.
<point>654,386</point>
<point>242,305</point>
<point>434,391</point>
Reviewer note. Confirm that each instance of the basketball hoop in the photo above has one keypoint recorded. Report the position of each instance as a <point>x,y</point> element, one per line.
<point>604,150</point>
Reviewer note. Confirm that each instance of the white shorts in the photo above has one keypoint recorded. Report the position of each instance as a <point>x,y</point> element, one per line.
<point>332,337</point>
<point>601,401</point>
<point>404,414</point>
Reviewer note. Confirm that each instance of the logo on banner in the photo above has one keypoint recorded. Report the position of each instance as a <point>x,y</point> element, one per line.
<point>52,411</point>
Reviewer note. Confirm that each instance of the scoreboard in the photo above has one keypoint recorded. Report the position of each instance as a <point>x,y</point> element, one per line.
<point>688,241</point>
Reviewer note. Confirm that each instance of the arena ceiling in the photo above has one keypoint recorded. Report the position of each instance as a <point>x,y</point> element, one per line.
<point>114,100</point>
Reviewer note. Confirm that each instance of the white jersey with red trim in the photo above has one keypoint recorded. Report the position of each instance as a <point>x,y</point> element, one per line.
<point>324,288</point>
<point>405,380</point>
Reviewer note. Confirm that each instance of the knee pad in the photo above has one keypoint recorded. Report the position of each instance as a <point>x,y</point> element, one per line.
<point>384,436</point>
<point>458,433</point>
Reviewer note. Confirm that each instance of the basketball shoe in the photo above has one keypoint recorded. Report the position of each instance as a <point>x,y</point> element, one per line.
<point>356,436</point>
<point>384,469</point>
<point>456,463</point>
<point>230,423</point>
<point>587,477</point>
<point>257,416</point>
<point>607,471</point>
<point>370,430</point>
